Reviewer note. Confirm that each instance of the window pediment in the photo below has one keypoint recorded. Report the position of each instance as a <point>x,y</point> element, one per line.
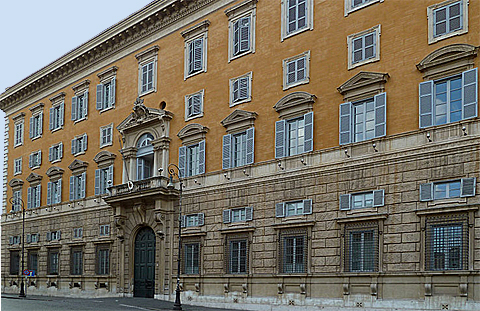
<point>108,73</point>
<point>196,29</point>
<point>34,178</point>
<point>19,117</point>
<point>104,158</point>
<point>81,87</point>
<point>16,183</point>
<point>239,120</point>
<point>78,166</point>
<point>240,8</point>
<point>363,84</point>
<point>192,133</point>
<point>60,97</point>
<point>37,108</point>
<point>148,53</point>
<point>55,172</point>
<point>295,104</point>
<point>448,60</point>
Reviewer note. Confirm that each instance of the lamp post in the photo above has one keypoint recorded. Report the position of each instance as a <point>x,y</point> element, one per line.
<point>14,202</point>
<point>173,170</point>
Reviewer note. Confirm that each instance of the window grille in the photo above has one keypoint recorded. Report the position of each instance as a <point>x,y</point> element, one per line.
<point>53,260</point>
<point>76,261</point>
<point>446,239</point>
<point>293,251</point>
<point>361,247</point>
<point>236,254</point>
<point>14,262</point>
<point>191,257</point>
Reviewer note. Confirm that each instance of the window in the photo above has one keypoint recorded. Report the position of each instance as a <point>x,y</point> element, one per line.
<point>364,47</point>
<point>76,261</point>
<point>363,120</point>
<point>17,205</point>
<point>373,198</point>
<point>293,250</point>
<point>55,152</point>
<point>147,70</point>
<point>106,133</point>
<point>238,149</point>
<point>192,159</point>
<point>32,261</point>
<point>19,127</point>
<point>32,238</point>
<point>35,159</point>
<point>447,19</point>
<point>104,230</point>
<point>241,28</point>
<point>353,5</point>
<point>297,16</point>
<point>196,49</point>
<point>296,70</point>
<point>293,208</point>
<point>106,95</point>
<point>191,259</point>
<point>53,260</point>
<point>144,157</point>
<point>54,235</point>
<point>103,179</point>
<point>240,89</point>
<point>446,239</point>
<point>103,259</point>
<point>193,220</point>
<point>77,233</point>
<point>17,166</point>
<point>36,125</point>
<point>238,214</point>
<point>77,186</point>
<point>54,192</point>
<point>14,262</point>
<point>195,56</point>
<point>80,106</point>
<point>79,144</point>
<point>14,240</point>
<point>361,247</point>
<point>237,255</point>
<point>57,114</point>
<point>448,100</point>
<point>464,187</point>
<point>294,136</point>
<point>194,105</point>
<point>34,196</point>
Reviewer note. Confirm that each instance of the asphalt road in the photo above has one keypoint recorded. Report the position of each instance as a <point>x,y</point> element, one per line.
<point>42,303</point>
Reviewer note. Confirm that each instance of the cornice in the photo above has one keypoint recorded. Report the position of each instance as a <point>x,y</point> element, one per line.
<point>155,16</point>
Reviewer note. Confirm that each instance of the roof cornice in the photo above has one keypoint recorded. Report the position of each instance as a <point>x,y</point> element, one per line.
<point>155,16</point>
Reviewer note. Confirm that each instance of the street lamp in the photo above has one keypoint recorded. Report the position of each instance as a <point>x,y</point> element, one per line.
<point>173,170</point>
<point>14,202</point>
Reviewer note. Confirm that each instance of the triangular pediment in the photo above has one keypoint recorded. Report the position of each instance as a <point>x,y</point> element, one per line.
<point>34,177</point>
<point>363,79</point>
<point>448,54</point>
<point>239,116</point>
<point>142,114</point>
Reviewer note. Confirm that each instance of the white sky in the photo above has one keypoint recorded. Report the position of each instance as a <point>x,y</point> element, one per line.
<point>35,33</point>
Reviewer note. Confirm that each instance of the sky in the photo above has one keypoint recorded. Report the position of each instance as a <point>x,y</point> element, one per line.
<point>35,33</point>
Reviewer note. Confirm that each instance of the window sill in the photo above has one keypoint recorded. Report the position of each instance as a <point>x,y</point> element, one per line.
<point>147,92</point>
<point>452,201</point>
<point>79,153</point>
<point>362,218</point>
<point>289,86</point>
<point>233,57</point>
<point>444,210</point>
<point>287,224</point>
<point>364,62</point>
<point>18,145</point>
<point>351,10</point>
<point>35,167</point>
<point>56,129</point>
<point>17,173</point>
<point>194,117</point>
<point>36,137</point>
<point>79,120</point>
<point>448,35</point>
<point>194,74</point>
<point>293,275</point>
<point>107,145</point>
<point>107,109</point>
<point>237,229</point>
<point>233,104</point>
<point>297,32</point>
<point>55,161</point>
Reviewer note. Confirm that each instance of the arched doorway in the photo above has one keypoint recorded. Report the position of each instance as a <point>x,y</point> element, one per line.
<point>144,264</point>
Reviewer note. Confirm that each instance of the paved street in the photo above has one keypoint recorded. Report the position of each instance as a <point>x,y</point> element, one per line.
<point>42,303</point>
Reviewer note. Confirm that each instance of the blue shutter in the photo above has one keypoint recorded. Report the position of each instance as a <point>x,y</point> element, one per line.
<point>425,102</point>
<point>74,108</point>
<point>98,173</point>
<point>307,206</point>
<point>74,146</point>
<point>344,202</point>
<point>248,213</point>
<point>227,151</point>
<point>308,143</point>
<point>99,96</point>
<point>235,91</point>
<point>243,88</point>
<point>183,221</point>
<point>280,138</point>
<point>468,186</point>
<point>38,197</point>
<point>201,219</point>
<point>62,113</point>
<point>85,104</point>
<point>39,158</point>
<point>426,192</point>
<point>197,104</point>
<point>191,57</point>
<point>83,185</point>
<point>85,143</point>
<point>50,124</point>
<point>250,145</point>
<point>470,93</point>
<point>40,124</point>
<point>30,161</point>
<point>58,199</point>
<point>280,210</point>
<point>29,197</point>
<point>226,216</point>
<point>112,92</point>
<point>236,37</point>
<point>140,164</point>
<point>182,160</point>
<point>60,150</point>
<point>198,54</point>
<point>109,176</point>
<point>245,34</point>
<point>50,152</point>
<point>201,157</point>
<point>49,236</point>
<point>72,188</point>
<point>380,114</point>
<point>345,123</point>
<point>31,127</point>
<point>49,193</point>
<point>378,197</point>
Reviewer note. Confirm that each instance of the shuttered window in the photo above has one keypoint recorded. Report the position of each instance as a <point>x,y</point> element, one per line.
<point>194,105</point>
<point>79,144</point>
<point>464,187</point>
<point>238,149</point>
<point>195,55</point>
<point>103,179</point>
<point>34,196</point>
<point>240,89</point>
<point>17,204</point>
<point>54,192</point>
<point>106,95</point>
<point>103,260</point>
<point>363,48</point>
<point>55,152</point>
<point>57,116</point>
<point>77,186</point>
<point>36,126</point>
<point>35,159</point>
<point>191,159</point>
<point>242,35</point>
<point>53,261</point>
<point>80,106</point>
<point>238,214</point>
<point>292,208</point>
<point>294,136</point>
<point>375,198</point>
<point>296,15</point>
<point>193,220</point>
<point>104,230</point>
